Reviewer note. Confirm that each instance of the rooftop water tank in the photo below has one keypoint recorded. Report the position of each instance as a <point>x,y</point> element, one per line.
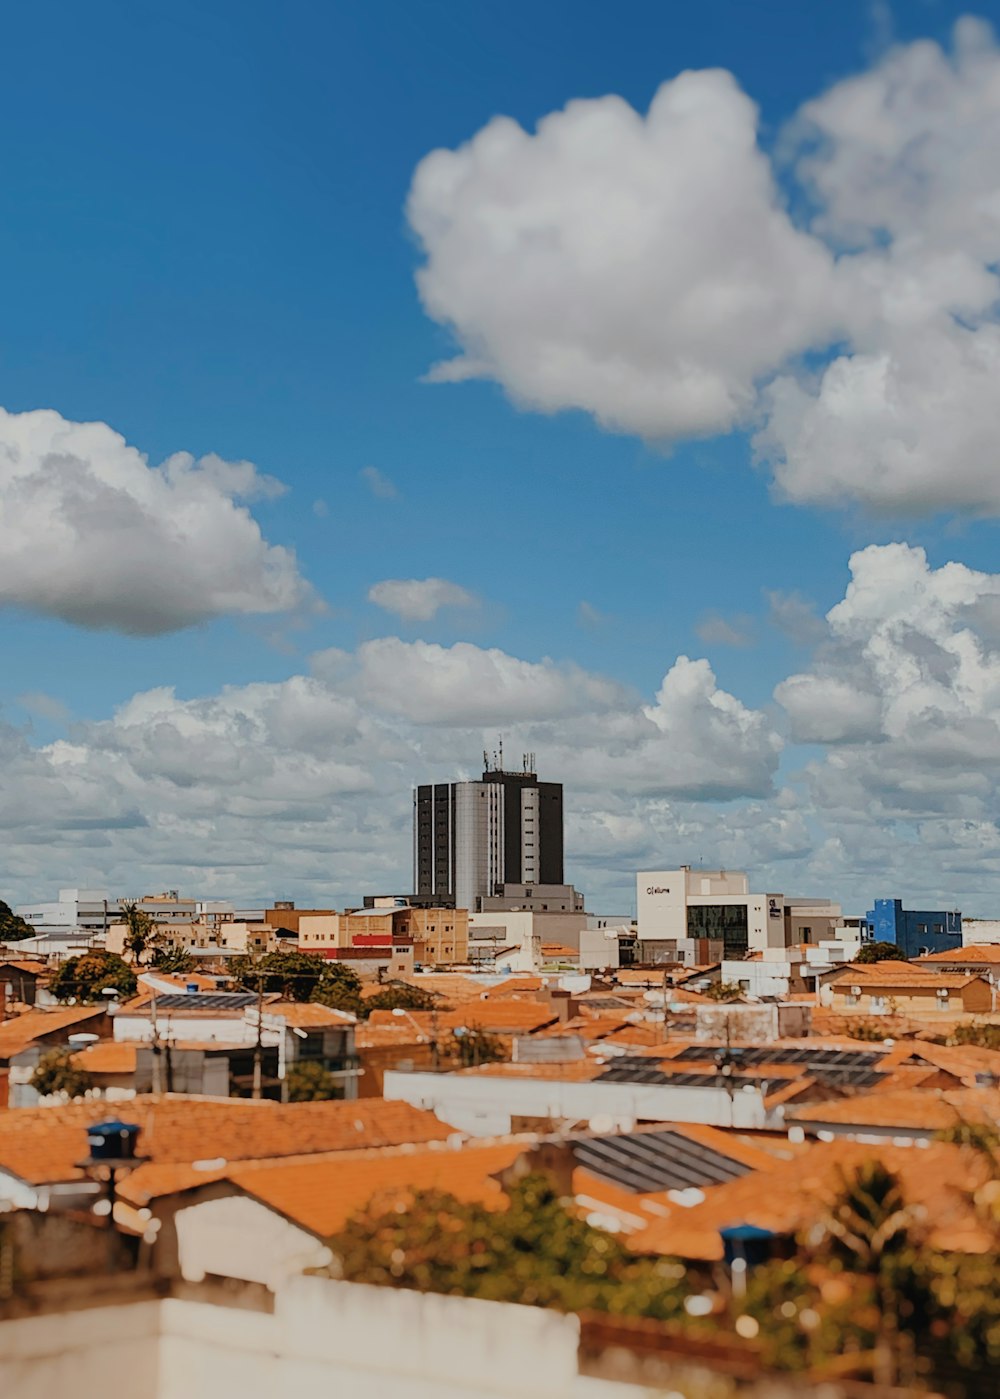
<point>113,1141</point>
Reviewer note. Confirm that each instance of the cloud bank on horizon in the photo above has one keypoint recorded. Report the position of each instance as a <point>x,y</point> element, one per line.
<point>648,270</point>
<point>305,781</point>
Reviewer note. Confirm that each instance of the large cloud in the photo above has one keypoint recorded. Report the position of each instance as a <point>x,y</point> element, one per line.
<point>641,268</point>
<point>902,161</point>
<point>645,270</point>
<point>908,686</point>
<point>91,533</point>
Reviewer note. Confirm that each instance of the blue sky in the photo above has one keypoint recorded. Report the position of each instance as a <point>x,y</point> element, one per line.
<point>208,249</point>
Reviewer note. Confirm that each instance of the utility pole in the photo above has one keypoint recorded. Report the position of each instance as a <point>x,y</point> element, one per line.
<point>258,1053</point>
<point>157,1050</point>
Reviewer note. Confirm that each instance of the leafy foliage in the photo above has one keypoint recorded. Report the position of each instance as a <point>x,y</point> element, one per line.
<point>724,991</point>
<point>475,1047</point>
<point>293,975</point>
<point>83,978</point>
<point>308,1082</point>
<point>172,959</point>
<point>55,1072</point>
<point>879,952</point>
<point>535,1252</point>
<point>401,996</point>
<point>339,987</point>
<point>140,932</point>
<point>977,1033</point>
<point>12,927</point>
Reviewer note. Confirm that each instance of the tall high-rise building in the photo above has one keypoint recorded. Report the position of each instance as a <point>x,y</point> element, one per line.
<point>472,838</point>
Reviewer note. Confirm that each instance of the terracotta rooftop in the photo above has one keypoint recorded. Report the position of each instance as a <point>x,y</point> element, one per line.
<point>322,1195</point>
<point>788,1198</point>
<point>507,1015</point>
<point>181,981</point>
<point>514,986</point>
<point>304,1014</point>
<point>979,954</point>
<point>964,1061</point>
<point>17,1034</point>
<point>42,1145</point>
<point>901,974</point>
<point>106,1057</point>
<point>920,1109</point>
<point>24,965</point>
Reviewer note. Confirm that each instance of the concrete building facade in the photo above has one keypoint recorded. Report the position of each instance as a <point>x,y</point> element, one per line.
<point>915,932</point>
<point>697,915</point>
<point>469,838</point>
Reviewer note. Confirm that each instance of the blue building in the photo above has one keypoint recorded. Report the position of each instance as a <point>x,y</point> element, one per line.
<point>914,932</point>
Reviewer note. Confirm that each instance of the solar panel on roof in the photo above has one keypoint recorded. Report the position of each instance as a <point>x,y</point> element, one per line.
<point>207,1000</point>
<point>653,1161</point>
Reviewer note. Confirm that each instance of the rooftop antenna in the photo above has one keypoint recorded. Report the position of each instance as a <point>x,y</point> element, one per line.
<point>501,753</point>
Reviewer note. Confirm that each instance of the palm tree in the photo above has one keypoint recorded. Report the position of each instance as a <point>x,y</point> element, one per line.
<point>140,931</point>
<point>868,1225</point>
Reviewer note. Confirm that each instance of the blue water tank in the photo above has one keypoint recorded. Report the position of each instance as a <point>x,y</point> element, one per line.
<point>113,1141</point>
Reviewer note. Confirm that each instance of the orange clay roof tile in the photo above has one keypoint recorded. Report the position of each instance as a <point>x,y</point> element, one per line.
<point>17,1034</point>
<point>790,1196</point>
<point>41,1145</point>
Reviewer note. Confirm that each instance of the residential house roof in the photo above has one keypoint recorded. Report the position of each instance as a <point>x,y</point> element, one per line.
<point>43,1145</point>
<point>320,1192</point>
<point>107,1057</point>
<point>978,954</point>
<point>17,1034</point>
<point>936,1181</point>
<point>910,1109</point>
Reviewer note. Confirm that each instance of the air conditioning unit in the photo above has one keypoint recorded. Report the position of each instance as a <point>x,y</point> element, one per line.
<point>855,990</point>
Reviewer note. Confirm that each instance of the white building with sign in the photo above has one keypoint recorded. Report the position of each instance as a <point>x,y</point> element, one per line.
<point>695,915</point>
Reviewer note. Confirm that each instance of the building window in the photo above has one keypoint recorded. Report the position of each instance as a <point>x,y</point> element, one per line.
<point>939,927</point>
<point>878,1005</point>
<point>721,922</point>
<point>921,927</point>
<point>850,999</point>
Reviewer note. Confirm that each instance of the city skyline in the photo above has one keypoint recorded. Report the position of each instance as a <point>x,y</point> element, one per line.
<point>407,382</point>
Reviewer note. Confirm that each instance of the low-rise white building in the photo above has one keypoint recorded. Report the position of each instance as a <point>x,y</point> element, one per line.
<point>697,915</point>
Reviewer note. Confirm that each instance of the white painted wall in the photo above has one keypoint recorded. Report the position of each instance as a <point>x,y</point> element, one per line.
<point>323,1339</point>
<point>483,1104</point>
<point>227,1029</point>
<point>238,1237</point>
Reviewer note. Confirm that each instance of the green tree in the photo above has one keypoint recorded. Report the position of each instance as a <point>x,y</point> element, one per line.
<point>880,952</point>
<point>55,1072</point>
<point>401,996</point>
<point>535,1252</point>
<point>293,975</point>
<point>724,991</point>
<point>309,1082</point>
<point>339,987</point>
<point>977,1033</point>
<point>475,1047</point>
<point>140,932</point>
<point>12,927</point>
<point>83,978</point>
<point>172,959</point>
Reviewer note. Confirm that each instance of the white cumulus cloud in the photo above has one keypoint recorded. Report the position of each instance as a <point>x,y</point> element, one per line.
<point>644,269</point>
<point>91,533</point>
<point>639,267</point>
<point>419,599</point>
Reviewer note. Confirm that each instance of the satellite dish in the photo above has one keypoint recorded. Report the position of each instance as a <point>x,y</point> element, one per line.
<point>601,1124</point>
